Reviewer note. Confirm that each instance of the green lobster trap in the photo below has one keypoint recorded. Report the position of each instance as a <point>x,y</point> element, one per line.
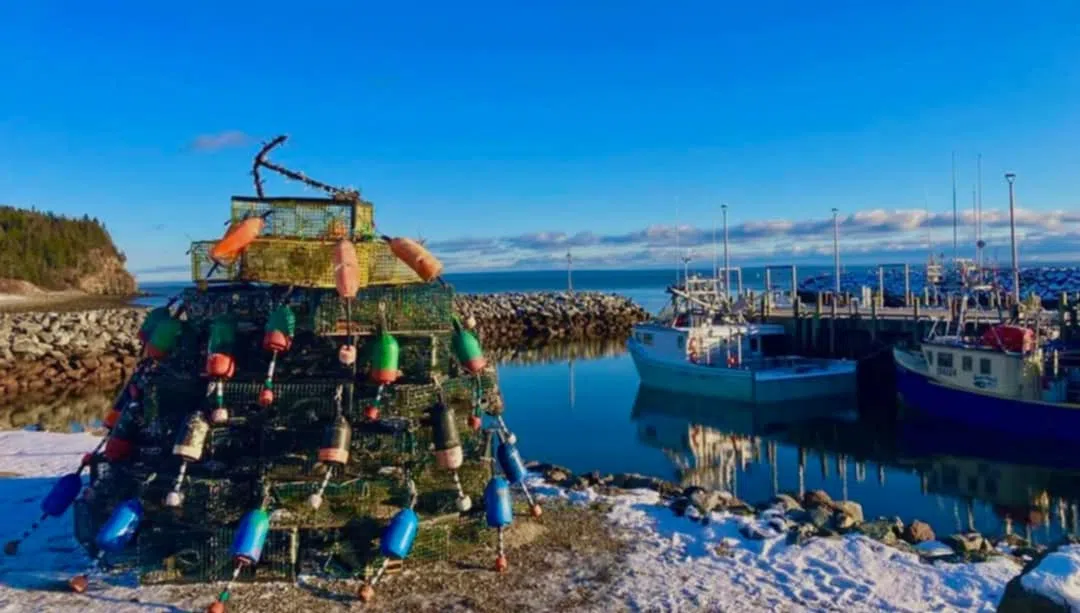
<point>424,307</point>
<point>200,555</point>
<point>308,218</point>
<point>202,265</point>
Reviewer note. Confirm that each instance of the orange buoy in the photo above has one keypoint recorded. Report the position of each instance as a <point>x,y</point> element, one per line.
<point>237,238</point>
<point>416,257</point>
<point>346,269</point>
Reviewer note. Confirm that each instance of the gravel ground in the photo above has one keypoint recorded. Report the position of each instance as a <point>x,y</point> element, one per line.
<point>566,561</point>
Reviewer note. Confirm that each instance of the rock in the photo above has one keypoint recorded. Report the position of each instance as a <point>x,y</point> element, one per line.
<point>842,522</point>
<point>558,476</point>
<point>966,542</point>
<point>1041,585</point>
<point>883,530</point>
<point>635,482</point>
<point>820,517</point>
<point>918,532</point>
<point>679,506</point>
<point>787,502</point>
<point>801,533</point>
<point>850,509</point>
<point>707,501</point>
<point>816,498</point>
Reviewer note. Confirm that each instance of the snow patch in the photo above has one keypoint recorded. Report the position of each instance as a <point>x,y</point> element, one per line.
<point>1057,577</point>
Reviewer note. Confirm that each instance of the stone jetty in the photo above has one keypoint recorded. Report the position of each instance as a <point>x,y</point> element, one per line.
<point>515,319</point>
<point>76,350</point>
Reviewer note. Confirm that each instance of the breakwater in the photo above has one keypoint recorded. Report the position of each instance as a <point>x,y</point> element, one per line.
<point>76,350</point>
<point>1048,283</point>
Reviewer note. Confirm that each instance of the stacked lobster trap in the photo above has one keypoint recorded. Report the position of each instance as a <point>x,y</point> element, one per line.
<point>313,405</point>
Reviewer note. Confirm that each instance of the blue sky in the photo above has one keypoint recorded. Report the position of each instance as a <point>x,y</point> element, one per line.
<point>505,134</point>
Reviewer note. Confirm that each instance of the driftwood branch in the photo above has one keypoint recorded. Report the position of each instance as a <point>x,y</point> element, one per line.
<point>260,161</point>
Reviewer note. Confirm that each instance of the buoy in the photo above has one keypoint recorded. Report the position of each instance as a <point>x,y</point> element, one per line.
<point>220,364</point>
<point>247,547</point>
<point>448,453</point>
<point>277,337</point>
<point>56,503</point>
<point>237,238</point>
<point>347,355</point>
<point>152,319</point>
<point>371,412</point>
<point>467,349</point>
<point>189,445</point>
<point>416,257</point>
<point>118,448</point>
<point>395,544</point>
<point>385,356</point>
<point>346,269</point>
<point>113,537</point>
<point>499,512</point>
<point>334,452</point>
<point>514,468</point>
<point>475,423</point>
<point>163,338</point>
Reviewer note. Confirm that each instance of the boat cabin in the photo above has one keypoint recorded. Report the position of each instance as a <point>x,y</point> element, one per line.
<point>711,343</point>
<point>1003,362</point>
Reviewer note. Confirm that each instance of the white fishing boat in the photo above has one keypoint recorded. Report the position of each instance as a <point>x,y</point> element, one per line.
<point>702,345</point>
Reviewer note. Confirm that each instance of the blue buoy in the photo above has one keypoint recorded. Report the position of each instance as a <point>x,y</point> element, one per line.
<point>497,503</point>
<point>511,463</point>
<point>118,531</point>
<point>250,537</point>
<point>397,539</point>
<point>62,495</point>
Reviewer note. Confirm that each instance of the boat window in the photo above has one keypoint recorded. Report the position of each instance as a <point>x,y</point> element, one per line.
<point>944,359</point>
<point>647,338</point>
<point>967,363</point>
<point>984,366</point>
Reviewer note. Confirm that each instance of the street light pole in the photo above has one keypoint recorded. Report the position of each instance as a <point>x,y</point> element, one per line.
<point>569,276</point>
<point>727,269</point>
<point>1011,177</point>
<point>836,250</point>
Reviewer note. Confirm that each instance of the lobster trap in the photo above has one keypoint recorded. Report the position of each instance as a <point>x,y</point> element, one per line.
<point>423,307</point>
<point>280,409</point>
<point>308,218</point>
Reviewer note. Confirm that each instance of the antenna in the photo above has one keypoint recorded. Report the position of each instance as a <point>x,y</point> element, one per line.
<point>978,208</point>
<point>676,240</point>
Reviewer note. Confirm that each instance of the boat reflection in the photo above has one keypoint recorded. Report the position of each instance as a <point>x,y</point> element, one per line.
<point>960,479</point>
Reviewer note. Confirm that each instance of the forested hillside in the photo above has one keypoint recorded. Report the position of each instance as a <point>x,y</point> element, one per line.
<point>56,252</point>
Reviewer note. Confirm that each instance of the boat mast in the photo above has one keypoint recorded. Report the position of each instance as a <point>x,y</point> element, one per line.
<point>677,250</point>
<point>979,244</point>
<point>954,244</point>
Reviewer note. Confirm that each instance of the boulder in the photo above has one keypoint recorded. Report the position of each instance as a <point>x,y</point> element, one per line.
<point>816,498</point>
<point>1049,583</point>
<point>918,532</point>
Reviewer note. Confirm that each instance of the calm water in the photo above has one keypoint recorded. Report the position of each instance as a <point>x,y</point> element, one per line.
<point>582,408</point>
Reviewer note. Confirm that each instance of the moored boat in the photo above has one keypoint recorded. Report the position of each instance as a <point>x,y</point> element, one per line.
<point>696,348</point>
<point>1002,380</point>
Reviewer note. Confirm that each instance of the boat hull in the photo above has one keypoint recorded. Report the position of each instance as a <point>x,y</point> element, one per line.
<point>1025,418</point>
<point>742,385</point>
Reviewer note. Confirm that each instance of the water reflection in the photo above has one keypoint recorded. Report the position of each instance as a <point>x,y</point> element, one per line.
<point>559,352</point>
<point>57,412</point>
<point>957,479</point>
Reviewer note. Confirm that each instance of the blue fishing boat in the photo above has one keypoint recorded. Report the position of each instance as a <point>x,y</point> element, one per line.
<point>1003,380</point>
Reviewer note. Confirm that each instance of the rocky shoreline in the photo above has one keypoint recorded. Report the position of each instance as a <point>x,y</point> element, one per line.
<point>74,350</point>
<point>814,514</point>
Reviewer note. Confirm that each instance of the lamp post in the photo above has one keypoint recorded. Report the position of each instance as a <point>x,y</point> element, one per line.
<point>727,269</point>
<point>836,250</point>
<point>1011,177</point>
<point>569,276</point>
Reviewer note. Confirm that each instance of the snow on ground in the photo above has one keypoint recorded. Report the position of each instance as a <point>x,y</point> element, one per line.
<point>1057,577</point>
<point>676,564</point>
<point>679,564</point>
